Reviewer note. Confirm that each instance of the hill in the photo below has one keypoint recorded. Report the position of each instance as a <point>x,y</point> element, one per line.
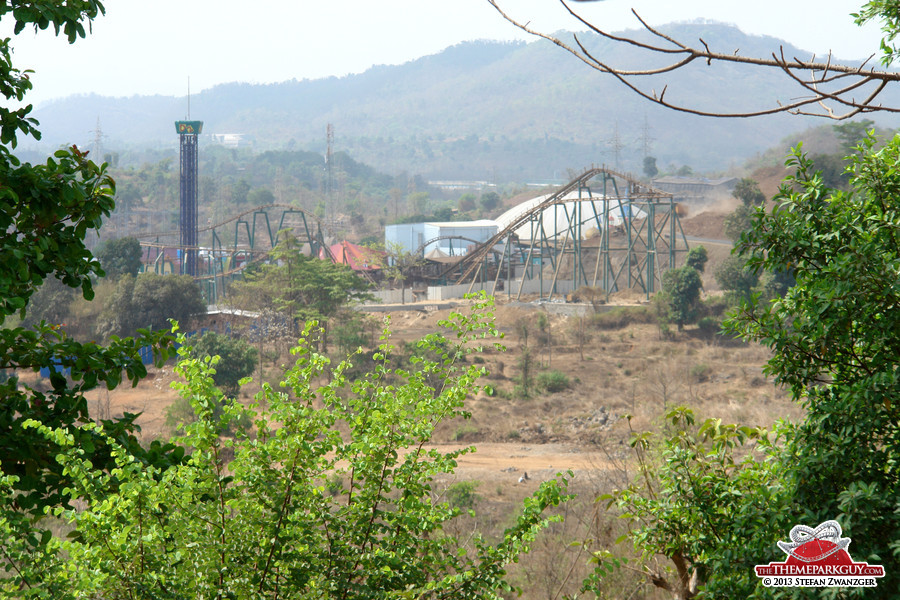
<point>491,111</point>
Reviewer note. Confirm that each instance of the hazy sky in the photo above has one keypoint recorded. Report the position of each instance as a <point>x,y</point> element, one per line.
<point>143,47</point>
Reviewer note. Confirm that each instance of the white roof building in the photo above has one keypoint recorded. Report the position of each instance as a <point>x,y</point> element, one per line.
<point>590,212</point>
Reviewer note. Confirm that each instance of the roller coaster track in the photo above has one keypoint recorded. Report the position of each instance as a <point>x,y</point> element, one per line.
<point>253,252</point>
<point>261,208</point>
<point>636,190</point>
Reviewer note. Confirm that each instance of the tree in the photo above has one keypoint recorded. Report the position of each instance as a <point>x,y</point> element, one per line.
<point>738,222</point>
<point>825,88</point>
<point>748,192</point>
<point>260,197</point>
<point>50,303</point>
<point>466,202</point>
<point>399,265</point>
<point>706,498</point>
<point>835,339</point>
<point>851,133</point>
<point>301,287</point>
<point>46,210</point>
<point>264,524</point>
<point>489,200</point>
<point>149,301</point>
<point>237,359</point>
<point>733,275</point>
<point>121,256</point>
<point>697,258</point>
<point>681,294</point>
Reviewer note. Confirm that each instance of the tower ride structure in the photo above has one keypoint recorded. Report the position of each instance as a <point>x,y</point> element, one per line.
<point>188,132</point>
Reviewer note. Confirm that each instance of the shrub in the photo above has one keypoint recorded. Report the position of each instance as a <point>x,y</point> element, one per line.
<point>553,381</point>
<point>701,372</point>
<point>709,326</point>
<point>462,494</point>
<point>622,317</point>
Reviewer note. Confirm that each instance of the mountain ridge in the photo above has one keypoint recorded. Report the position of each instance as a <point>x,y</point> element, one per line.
<point>501,111</point>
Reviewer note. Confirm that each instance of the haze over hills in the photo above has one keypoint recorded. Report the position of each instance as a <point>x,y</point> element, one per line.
<point>480,110</point>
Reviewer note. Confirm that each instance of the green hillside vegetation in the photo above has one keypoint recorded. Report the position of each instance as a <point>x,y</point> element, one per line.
<point>499,112</point>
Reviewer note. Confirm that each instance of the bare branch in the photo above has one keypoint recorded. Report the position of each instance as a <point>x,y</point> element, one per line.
<point>811,76</point>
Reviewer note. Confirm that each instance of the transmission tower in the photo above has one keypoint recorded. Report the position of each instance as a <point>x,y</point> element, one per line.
<point>329,169</point>
<point>646,138</point>
<point>616,145</point>
<point>97,146</point>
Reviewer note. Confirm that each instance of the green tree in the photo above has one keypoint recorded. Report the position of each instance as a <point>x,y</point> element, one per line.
<point>149,301</point>
<point>237,359</point>
<point>50,302</point>
<point>697,258</point>
<point>489,201</point>
<point>738,222</point>
<point>260,197</point>
<point>261,525</point>
<point>240,192</point>
<point>46,210</point>
<point>121,256</point>
<point>748,192</point>
<point>851,133</point>
<point>835,339</point>
<point>708,497</point>
<point>301,287</point>
<point>681,295</point>
<point>734,276</point>
<point>466,202</point>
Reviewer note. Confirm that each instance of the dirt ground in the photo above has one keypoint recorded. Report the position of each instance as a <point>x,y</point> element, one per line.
<point>612,373</point>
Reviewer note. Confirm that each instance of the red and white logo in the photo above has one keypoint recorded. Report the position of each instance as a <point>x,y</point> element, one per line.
<point>818,558</point>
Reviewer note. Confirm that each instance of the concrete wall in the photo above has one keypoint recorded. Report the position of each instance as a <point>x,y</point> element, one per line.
<point>450,292</point>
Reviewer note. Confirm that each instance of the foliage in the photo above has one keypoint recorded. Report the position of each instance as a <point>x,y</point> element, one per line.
<point>466,202</point>
<point>302,510</point>
<point>353,330</point>
<point>46,210</point>
<point>734,276</point>
<point>399,265</point>
<point>301,287</point>
<point>681,295</point>
<point>747,191</point>
<point>738,222</point>
<point>462,494</point>
<point>121,256</point>
<point>50,302</point>
<point>526,370</point>
<point>709,498</point>
<point>697,258</point>
<point>835,344</point>
<point>489,201</point>
<point>149,301</point>
<point>888,12</point>
<point>237,359</point>
<point>553,381</point>
<point>621,317</point>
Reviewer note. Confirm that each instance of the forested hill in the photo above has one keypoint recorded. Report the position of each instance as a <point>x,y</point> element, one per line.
<point>478,110</point>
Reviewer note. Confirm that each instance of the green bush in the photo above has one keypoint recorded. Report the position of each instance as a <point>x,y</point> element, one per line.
<point>553,381</point>
<point>462,494</point>
<point>709,325</point>
<point>701,372</point>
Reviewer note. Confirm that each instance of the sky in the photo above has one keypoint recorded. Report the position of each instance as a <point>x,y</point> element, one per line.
<point>144,47</point>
